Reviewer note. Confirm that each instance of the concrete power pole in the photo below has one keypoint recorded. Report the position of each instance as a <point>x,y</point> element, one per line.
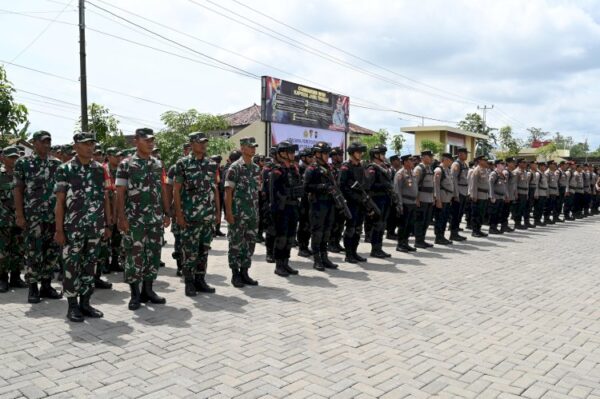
<point>82,67</point>
<point>484,110</point>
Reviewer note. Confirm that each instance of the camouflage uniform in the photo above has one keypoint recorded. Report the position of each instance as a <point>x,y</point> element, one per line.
<point>11,239</point>
<point>141,245</point>
<point>175,229</point>
<point>36,176</point>
<point>198,178</point>
<point>84,187</point>
<point>244,179</point>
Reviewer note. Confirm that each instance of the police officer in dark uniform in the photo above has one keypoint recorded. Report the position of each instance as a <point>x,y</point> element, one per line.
<point>379,181</point>
<point>423,174</point>
<point>392,219</point>
<point>285,188</point>
<point>266,209</point>
<point>319,183</point>
<point>337,158</point>
<point>303,236</point>
<point>351,172</point>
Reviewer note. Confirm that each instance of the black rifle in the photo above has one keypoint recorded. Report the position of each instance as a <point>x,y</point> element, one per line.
<point>366,200</point>
<point>338,197</point>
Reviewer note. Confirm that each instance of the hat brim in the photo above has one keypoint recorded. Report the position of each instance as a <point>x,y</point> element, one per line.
<point>250,145</point>
<point>202,140</point>
<point>44,137</point>
<point>86,140</point>
<point>145,137</point>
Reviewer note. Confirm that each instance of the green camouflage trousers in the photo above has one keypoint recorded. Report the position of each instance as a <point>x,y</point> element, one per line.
<point>11,249</point>
<point>80,256</point>
<point>242,240</point>
<point>104,251</point>
<point>41,252</point>
<point>141,252</point>
<point>176,230</point>
<point>195,244</point>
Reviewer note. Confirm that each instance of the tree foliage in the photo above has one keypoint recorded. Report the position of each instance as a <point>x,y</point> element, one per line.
<point>579,150</point>
<point>397,143</point>
<point>547,151</point>
<point>179,125</point>
<point>509,146</point>
<point>105,126</point>
<point>13,116</point>
<point>380,137</point>
<point>536,134</point>
<point>473,122</point>
<point>434,146</point>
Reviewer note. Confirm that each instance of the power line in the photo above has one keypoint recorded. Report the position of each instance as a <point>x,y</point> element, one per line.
<point>35,39</point>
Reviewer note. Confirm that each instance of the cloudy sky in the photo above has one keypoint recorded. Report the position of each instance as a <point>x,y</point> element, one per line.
<point>537,62</point>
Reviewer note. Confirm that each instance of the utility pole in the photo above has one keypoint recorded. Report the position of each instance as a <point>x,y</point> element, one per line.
<point>484,112</point>
<point>82,67</point>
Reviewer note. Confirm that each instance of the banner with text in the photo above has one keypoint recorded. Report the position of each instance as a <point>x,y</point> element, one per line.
<point>305,136</point>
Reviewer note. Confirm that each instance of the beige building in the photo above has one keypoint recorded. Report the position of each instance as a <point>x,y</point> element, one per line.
<point>451,137</point>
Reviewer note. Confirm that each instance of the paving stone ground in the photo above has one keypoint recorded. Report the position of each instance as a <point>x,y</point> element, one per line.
<point>512,316</point>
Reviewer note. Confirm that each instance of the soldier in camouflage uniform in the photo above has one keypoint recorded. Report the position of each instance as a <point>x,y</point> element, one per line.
<point>11,238</point>
<point>83,217</point>
<point>241,204</point>
<point>103,257</point>
<point>34,206</point>
<point>114,158</point>
<point>174,227</point>
<point>197,208</point>
<point>142,211</point>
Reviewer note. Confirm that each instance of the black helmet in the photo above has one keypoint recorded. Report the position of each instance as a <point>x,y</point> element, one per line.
<point>356,146</point>
<point>286,146</point>
<point>306,152</point>
<point>272,151</point>
<point>322,146</point>
<point>378,149</point>
<point>336,151</point>
<point>234,155</point>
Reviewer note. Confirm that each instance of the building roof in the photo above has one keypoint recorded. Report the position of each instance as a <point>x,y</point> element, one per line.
<point>450,129</point>
<point>248,116</point>
<point>245,117</point>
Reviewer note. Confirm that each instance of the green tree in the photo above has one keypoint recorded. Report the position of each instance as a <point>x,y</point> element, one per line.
<point>397,143</point>
<point>474,123</point>
<point>13,116</point>
<point>548,151</point>
<point>509,146</point>
<point>562,142</point>
<point>380,137</point>
<point>536,134</point>
<point>179,125</point>
<point>579,150</point>
<point>105,126</point>
<point>434,146</point>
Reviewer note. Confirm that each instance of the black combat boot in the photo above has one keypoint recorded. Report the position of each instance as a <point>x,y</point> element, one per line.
<point>441,240</point>
<point>34,293</point>
<point>246,279</point>
<point>494,230</point>
<point>335,247</point>
<point>506,229</point>
<point>349,256</point>
<point>148,294</point>
<point>288,268</point>
<point>377,252</point>
<point>391,236</point>
<point>46,290</point>
<point>304,252</point>
<point>114,264</point>
<point>318,262</point>
<point>73,312</point>
<point>190,289</point>
<point>4,282</point>
<point>326,262</point>
<point>87,309</point>
<point>102,284</point>
<point>478,233</point>
<point>178,273</point>
<point>236,279</point>
<point>454,236</point>
<point>16,281</point>
<point>280,268</point>
<point>356,255</point>
<point>201,285</point>
<point>134,302</point>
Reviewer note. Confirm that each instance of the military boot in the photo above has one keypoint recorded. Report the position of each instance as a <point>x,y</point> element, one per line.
<point>190,289</point>
<point>102,284</point>
<point>377,252</point>
<point>288,268</point>
<point>318,262</point>
<point>304,252</point>
<point>4,282</point>
<point>246,279</point>
<point>280,268</point>
<point>87,309</point>
<point>114,264</point>
<point>134,302</point>
<point>201,285</point>
<point>16,281</point>
<point>34,294</point>
<point>494,230</point>
<point>349,256</point>
<point>46,290</point>
<point>328,264</point>
<point>441,240</point>
<point>73,312</point>
<point>178,273</point>
<point>148,294</point>
<point>454,236</point>
<point>236,279</point>
<point>506,229</point>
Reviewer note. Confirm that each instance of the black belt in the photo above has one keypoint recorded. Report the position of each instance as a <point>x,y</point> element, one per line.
<point>463,185</point>
<point>482,190</point>
<point>446,190</point>
<point>553,187</point>
<point>497,193</point>
<point>426,189</point>
<point>573,188</point>
<point>409,197</point>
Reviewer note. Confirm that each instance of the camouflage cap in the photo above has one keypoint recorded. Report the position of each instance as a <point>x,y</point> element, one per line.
<point>144,133</point>
<point>198,137</point>
<point>41,135</point>
<point>83,137</point>
<point>67,148</point>
<point>11,151</point>
<point>112,151</point>
<point>248,142</point>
